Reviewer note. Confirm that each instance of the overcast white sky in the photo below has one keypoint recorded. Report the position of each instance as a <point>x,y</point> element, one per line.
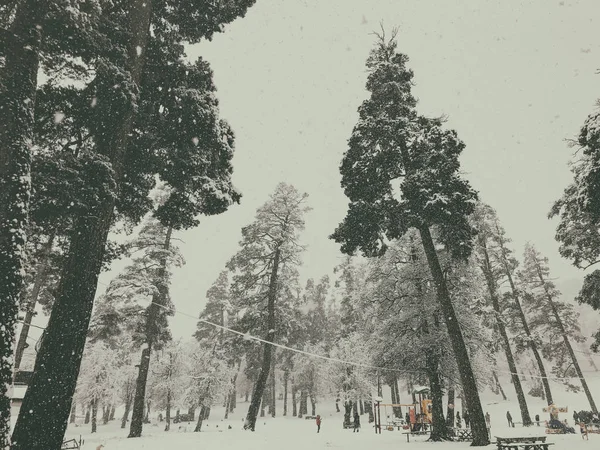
<point>516,78</point>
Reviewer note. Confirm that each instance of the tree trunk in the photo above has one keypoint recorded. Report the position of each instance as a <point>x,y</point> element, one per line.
<point>154,310</point>
<point>450,409</point>
<point>294,407</point>
<point>286,375</point>
<point>44,413</point>
<point>259,388</point>
<point>499,387</point>
<point>399,409</point>
<point>478,425</point>
<point>207,412</point>
<point>263,403</point>
<point>127,409</point>
<point>516,298</point>
<point>94,415</point>
<point>565,336</point>
<point>147,416</point>
<point>493,293</point>
<point>227,405</point>
<point>369,409</point>
<point>439,429</point>
<point>87,415</point>
<point>361,406</point>
<point>20,46</point>
<point>168,412</point>
<point>40,279</point>
<point>201,415</point>
<point>233,403</point>
<point>348,414</point>
<point>111,416</point>
<point>73,412</point>
<point>191,412</point>
<point>303,403</point>
<point>105,414</point>
<point>137,417</point>
<point>313,406</point>
<point>273,404</point>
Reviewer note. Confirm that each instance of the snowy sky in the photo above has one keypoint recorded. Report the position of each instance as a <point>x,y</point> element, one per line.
<point>516,78</point>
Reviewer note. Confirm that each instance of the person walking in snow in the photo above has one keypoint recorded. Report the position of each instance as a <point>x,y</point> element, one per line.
<point>318,423</point>
<point>356,423</point>
<point>509,418</point>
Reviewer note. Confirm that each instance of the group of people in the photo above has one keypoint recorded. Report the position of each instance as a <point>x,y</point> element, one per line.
<point>356,427</point>
<point>467,419</point>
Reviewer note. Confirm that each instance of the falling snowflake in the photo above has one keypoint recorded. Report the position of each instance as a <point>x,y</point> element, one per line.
<point>138,50</point>
<point>94,101</point>
<point>195,140</point>
<point>58,117</point>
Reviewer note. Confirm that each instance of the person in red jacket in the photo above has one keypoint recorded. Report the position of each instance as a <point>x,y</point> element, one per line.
<point>318,423</point>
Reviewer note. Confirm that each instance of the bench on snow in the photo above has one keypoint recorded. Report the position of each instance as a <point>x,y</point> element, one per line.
<point>523,442</point>
<point>72,444</point>
<point>414,433</point>
<point>462,434</point>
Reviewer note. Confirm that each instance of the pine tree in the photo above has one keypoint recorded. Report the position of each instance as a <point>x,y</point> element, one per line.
<point>269,245</point>
<point>557,316</point>
<point>192,156</point>
<point>400,171</point>
<point>491,268</point>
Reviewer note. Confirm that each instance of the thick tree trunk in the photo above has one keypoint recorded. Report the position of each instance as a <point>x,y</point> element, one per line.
<point>94,415</point>
<point>286,375</point>
<point>127,409</point>
<point>439,429</point>
<point>259,388</point>
<point>73,412</point>
<point>516,298</point>
<point>44,413</point>
<point>111,416</point>
<point>361,406</point>
<point>348,414</point>
<point>20,46</point>
<point>227,405</point>
<point>565,337</point>
<point>478,425</point>
<point>191,412</point>
<point>450,409</point>
<point>492,286</point>
<point>313,406</point>
<point>137,417</point>
<point>168,412</point>
<point>87,415</point>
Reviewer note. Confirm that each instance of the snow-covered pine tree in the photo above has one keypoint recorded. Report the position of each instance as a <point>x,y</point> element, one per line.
<point>192,156</point>
<point>487,257</point>
<point>552,318</point>
<point>401,170</point>
<point>269,246</point>
<point>578,230</point>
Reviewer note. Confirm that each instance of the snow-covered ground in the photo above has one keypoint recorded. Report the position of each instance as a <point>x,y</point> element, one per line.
<point>291,433</point>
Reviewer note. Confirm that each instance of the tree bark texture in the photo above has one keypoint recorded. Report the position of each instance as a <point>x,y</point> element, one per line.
<point>44,413</point>
<point>493,293</point>
<point>478,425</point>
<point>261,382</point>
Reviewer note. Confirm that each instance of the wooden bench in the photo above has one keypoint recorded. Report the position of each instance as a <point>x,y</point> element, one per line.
<point>463,434</point>
<point>72,444</point>
<point>414,433</point>
<point>523,442</point>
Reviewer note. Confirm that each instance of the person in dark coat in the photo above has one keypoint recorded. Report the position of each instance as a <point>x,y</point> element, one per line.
<point>509,418</point>
<point>356,423</point>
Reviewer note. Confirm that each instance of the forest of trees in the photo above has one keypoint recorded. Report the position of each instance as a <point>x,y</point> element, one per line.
<point>124,139</point>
